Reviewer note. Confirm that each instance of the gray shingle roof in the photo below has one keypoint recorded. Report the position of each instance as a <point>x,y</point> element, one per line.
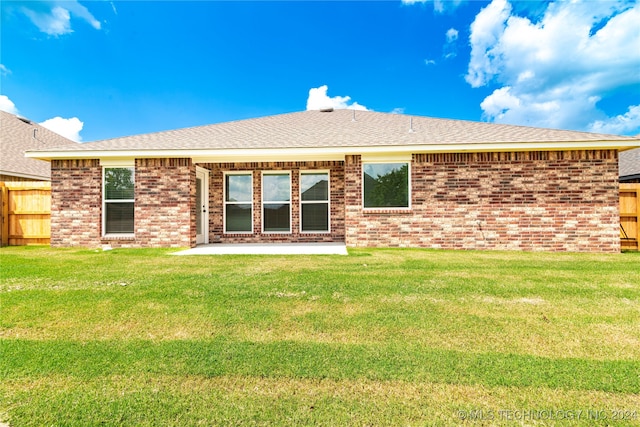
<point>18,135</point>
<point>630,163</point>
<point>315,129</point>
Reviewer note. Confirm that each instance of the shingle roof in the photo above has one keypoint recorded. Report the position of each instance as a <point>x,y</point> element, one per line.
<point>630,163</point>
<point>18,135</point>
<point>340,128</point>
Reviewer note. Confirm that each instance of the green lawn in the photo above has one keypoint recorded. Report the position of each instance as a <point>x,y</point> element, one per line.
<point>381,337</point>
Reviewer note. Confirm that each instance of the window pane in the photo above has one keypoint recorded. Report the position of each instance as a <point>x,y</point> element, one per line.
<point>119,218</point>
<point>276,188</point>
<point>238,218</point>
<point>118,183</point>
<point>198,206</point>
<point>276,217</point>
<point>315,217</point>
<point>238,188</point>
<point>386,185</point>
<point>314,186</point>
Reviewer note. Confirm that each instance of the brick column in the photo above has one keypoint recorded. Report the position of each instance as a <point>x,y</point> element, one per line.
<point>76,203</point>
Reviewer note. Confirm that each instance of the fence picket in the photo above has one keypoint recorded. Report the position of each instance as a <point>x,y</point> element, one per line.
<point>26,213</point>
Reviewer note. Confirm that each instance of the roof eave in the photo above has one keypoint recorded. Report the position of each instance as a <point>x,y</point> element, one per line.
<point>25,175</point>
<point>327,153</point>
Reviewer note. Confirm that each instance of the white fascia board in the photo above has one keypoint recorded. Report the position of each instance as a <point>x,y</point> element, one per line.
<point>118,162</point>
<point>268,155</point>
<point>329,153</point>
<point>25,175</point>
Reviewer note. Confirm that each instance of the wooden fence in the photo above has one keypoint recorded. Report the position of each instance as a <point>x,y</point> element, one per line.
<point>629,215</point>
<point>26,213</point>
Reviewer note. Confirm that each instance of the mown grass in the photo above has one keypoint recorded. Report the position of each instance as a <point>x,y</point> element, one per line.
<point>381,337</point>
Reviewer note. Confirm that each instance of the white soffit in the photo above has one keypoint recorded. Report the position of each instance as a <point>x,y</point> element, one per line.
<point>386,157</point>
<point>118,162</point>
<point>324,153</point>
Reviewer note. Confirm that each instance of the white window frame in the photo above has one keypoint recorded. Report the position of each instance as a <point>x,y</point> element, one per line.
<point>225,203</point>
<point>109,165</point>
<point>386,162</point>
<point>328,201</point>
<point>269,202</point>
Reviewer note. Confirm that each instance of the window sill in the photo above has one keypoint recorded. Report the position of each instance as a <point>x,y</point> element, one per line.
<point>119,237</point>
<point>387,211</point>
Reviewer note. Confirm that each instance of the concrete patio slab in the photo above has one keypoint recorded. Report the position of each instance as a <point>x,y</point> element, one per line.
<point>267,249</point>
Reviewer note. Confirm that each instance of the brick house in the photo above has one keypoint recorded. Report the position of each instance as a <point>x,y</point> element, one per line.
<point>363,178</point>
<point>630,166</point>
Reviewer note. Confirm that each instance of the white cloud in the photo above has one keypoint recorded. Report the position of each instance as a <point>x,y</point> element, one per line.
<point>439,6</point>
<point>398,110</point>
<point>554,71</point>
<point>430,61</point>
<point>4,71</point>
<point>318,99</point>
<point>82,12</point>
<point>452,35</point>
<point>54,23</point>
<point>450,49</point>
<point>560,111</point>
<point>7,105</point>
<point>627,123</point>
<point>69,128</point>
<point>499,102</point>
<point>54,17</point>
<point>486,31</point>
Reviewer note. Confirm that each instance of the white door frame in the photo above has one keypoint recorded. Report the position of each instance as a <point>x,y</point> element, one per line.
<point>203,205</point>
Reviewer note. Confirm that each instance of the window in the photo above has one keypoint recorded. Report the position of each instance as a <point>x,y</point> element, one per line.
<point>314,201</point>
<point>276,202</point>
<point>385,185</point>
<point>238,203</point>
<point>118,198</point>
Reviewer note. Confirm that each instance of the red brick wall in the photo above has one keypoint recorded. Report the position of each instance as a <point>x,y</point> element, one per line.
<point>76,203</point>
<point>552,201</point>
<point>216,205</point>
<point>165,203</point>
<point>556,201</point>
<point>164,207</point>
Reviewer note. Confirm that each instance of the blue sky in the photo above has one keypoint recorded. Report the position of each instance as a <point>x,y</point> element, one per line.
<point>100,69</point>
